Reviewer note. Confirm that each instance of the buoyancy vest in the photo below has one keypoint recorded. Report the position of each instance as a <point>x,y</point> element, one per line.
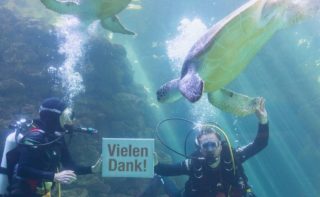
<point>20,185</point>
<point>221,181</point>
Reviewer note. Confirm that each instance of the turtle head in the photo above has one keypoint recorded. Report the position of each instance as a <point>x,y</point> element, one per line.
<point>169,92</point>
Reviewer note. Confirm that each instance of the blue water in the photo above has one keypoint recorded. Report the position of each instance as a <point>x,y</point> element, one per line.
<point>286,72</point>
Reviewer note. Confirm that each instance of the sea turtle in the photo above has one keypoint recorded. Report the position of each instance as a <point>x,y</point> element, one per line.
<point>89,10</point>
<point>224,51</point>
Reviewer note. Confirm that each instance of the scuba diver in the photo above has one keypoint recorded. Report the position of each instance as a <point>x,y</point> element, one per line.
<point>33,166</point>
<point>215,168</point>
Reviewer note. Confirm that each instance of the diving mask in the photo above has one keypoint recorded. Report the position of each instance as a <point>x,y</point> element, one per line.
<point>210,146</point>
<point>66,117</point>
<point>209,143</point>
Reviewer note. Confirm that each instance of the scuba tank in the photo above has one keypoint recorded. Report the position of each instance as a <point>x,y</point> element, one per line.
<point>10,144</point>
<point>11,154</point>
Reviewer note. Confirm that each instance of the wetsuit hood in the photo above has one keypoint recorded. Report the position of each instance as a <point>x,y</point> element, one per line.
<point>50,111</point>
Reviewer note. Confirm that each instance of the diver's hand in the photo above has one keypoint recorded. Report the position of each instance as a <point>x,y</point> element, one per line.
<point>65,177</point>
<point>261,111</point>
<point>96,168</point>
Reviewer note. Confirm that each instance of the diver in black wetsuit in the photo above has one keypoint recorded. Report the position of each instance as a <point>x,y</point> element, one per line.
<point>214,170</point>
<point>38,166</point>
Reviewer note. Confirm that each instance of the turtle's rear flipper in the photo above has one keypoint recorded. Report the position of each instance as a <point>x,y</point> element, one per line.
<point>191,86</point>
<point>233,102</point>
<point>61,7</point>
<point>113,24</point>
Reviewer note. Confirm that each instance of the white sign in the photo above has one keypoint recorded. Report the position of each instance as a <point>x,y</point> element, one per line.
<point>126,157</point>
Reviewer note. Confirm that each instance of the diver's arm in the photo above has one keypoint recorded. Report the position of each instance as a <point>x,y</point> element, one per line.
<point>171,169</point>
<point>259,143</point>
<point>30,162</point>
<point>33,173</point>
<point>69,164</point>
<point>262,138</point>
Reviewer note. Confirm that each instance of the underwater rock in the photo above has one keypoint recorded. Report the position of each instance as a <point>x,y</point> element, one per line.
<point>19,54</point>
<point>129,103</point>
<point>29,109</point>
<point>79,192</point>
<point>96,185</point>
<point>124,97</point>
<point>110,65</point>
<point>118,107</point>
<point>120,50</point>
<point>113,103</point>
<point>11,87</point>
<point>25,44</point>
<point>25,50</point>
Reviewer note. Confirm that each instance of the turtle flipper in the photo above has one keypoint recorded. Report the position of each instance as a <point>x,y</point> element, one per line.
<point>169,92</point>
<point>61,7</point>
<point>233,102</point>
<point>113,24</point>
<point>191,86</point>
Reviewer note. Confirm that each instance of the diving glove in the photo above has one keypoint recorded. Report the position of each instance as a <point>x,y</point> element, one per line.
<point>65,177</point>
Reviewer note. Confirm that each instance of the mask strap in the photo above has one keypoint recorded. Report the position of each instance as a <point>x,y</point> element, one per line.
<point>48,109</point>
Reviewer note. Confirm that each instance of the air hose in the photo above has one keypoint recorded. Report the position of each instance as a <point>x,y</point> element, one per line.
<point>189,133</point>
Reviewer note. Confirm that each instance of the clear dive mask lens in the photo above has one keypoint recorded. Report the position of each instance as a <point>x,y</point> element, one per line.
<point>66,117</point>
<point>210,146</point>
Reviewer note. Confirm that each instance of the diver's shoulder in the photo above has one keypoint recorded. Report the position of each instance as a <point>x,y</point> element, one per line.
<point>34,136</point>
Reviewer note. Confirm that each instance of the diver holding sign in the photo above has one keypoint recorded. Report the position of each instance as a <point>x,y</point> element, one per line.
<point>35,151</point>
<point>215,168</point>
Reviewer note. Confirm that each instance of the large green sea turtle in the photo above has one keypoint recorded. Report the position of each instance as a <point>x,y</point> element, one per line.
<point>223,52</point>
<point>89,10</point>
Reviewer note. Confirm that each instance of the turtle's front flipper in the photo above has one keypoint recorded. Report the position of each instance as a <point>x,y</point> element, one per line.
<point>113,24</point>
<point>191,86</point>
<point>61,7</point>
<point>169,92</point>
<point>233,102</point>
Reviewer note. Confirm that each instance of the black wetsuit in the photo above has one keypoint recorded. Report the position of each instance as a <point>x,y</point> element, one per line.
<point>205,181</point>
<point>37,165</point>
